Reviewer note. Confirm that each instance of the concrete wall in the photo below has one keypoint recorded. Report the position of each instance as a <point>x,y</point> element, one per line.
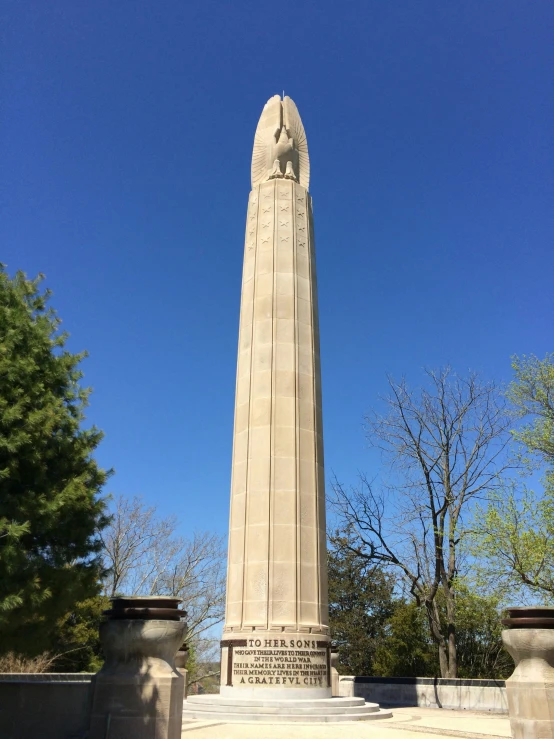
<point>475,695</point>
<point>44,706</point>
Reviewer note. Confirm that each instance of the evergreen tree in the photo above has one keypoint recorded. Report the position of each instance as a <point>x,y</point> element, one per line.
<point>360,603</point>
<point>75,640</point>
<point>407,649</point>
<point>50,509</point>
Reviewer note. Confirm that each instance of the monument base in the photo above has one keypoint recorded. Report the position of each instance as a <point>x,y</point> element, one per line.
<point>241,710</point>
<point>278,677</point>
<point>275,665</point>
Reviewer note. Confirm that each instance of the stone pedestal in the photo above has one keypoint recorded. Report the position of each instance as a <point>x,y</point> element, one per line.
<point>139,692</point>
<point>530,689</point>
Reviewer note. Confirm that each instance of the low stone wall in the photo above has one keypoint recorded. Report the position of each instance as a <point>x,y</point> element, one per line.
<point>45,706</point>
<point>475,695</point>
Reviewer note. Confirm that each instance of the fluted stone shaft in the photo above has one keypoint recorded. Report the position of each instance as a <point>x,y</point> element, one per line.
<point>277,577</point>
<point>277,568</point>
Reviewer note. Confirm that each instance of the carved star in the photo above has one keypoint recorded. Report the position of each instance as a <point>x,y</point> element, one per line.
<point>283,193</point>
<point>284,238</point>
<point>254,200</point>
<point>284,208</point>
<point>284,223</point>
<point>268,195</point>
<point>250,246</point>
<point>302,243</point>
<point>300,213</point>
<point>267,210</point>
<point>251,233</point>
<point>264,241</point>
<point>301,228</point>
<point>265,225</point>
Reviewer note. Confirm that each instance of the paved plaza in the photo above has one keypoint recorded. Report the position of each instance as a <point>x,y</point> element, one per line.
<point>419,723</point>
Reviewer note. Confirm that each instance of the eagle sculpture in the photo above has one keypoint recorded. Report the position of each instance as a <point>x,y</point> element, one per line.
<point>280,144</point>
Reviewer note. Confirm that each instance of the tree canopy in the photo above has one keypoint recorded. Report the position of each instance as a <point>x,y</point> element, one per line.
<point>532,395</point>
<point>360,603</point>
<point>51,511</point>
<point>514,533</point>
<point>444,443</point>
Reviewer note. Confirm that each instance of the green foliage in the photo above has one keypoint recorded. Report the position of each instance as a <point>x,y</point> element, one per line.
<point>10,533</point>
<point>75,638</point>
<point>407,649</point>
<point>193,668</point>
<point>379,633</point>
<point>478,636</point>
<point>515,533</point>
<point>203,666</point>
<point>50,510</point>
<point>360,602</point>
<point>532,393</point>
<point>513,543</point>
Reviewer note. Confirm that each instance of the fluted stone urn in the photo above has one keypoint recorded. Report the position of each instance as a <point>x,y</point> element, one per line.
<point>529,638</point>
<point>139,692</point>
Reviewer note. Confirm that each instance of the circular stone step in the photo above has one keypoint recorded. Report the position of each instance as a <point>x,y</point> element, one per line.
<point>278,718</point>
<point>325,710</point>
<point>271,711</point>
<point>209,699</point>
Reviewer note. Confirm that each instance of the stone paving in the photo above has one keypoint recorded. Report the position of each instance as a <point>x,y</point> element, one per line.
<point>406,723</point>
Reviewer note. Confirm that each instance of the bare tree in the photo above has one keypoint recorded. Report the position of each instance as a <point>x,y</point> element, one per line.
<point>137,547</point>
<point>445,448</point>
<point>144,556</point>
<point>196,572</point>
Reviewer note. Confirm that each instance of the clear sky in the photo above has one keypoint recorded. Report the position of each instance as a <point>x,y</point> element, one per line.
<point>126,136</point>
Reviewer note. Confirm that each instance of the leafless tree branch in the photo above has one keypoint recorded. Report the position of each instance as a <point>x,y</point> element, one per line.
<point>445,447</point>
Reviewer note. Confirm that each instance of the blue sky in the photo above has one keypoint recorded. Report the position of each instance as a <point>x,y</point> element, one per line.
<point>126,137</point>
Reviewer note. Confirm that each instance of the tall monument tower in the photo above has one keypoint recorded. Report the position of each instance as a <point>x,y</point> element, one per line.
<point>275,650</point>
<point>276,583</point>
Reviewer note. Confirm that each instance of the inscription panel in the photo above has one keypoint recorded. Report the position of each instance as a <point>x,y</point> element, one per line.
<point>283,663</point>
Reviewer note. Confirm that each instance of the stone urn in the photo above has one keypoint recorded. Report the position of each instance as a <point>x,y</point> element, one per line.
<point>181,657</point>
<point>139,691</point>
<point>529,638</point>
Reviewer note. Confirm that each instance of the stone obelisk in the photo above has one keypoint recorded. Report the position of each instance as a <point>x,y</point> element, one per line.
<point>276,635</point>
<point>275,650</point>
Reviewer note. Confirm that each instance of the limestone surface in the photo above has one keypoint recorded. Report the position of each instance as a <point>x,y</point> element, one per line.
<point>530,688</point>
<point>138,692</point>
<point>276,633</point>
<point>407,723</point>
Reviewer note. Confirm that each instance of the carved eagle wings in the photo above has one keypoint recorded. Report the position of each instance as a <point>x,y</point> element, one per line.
<point>280,144</point>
